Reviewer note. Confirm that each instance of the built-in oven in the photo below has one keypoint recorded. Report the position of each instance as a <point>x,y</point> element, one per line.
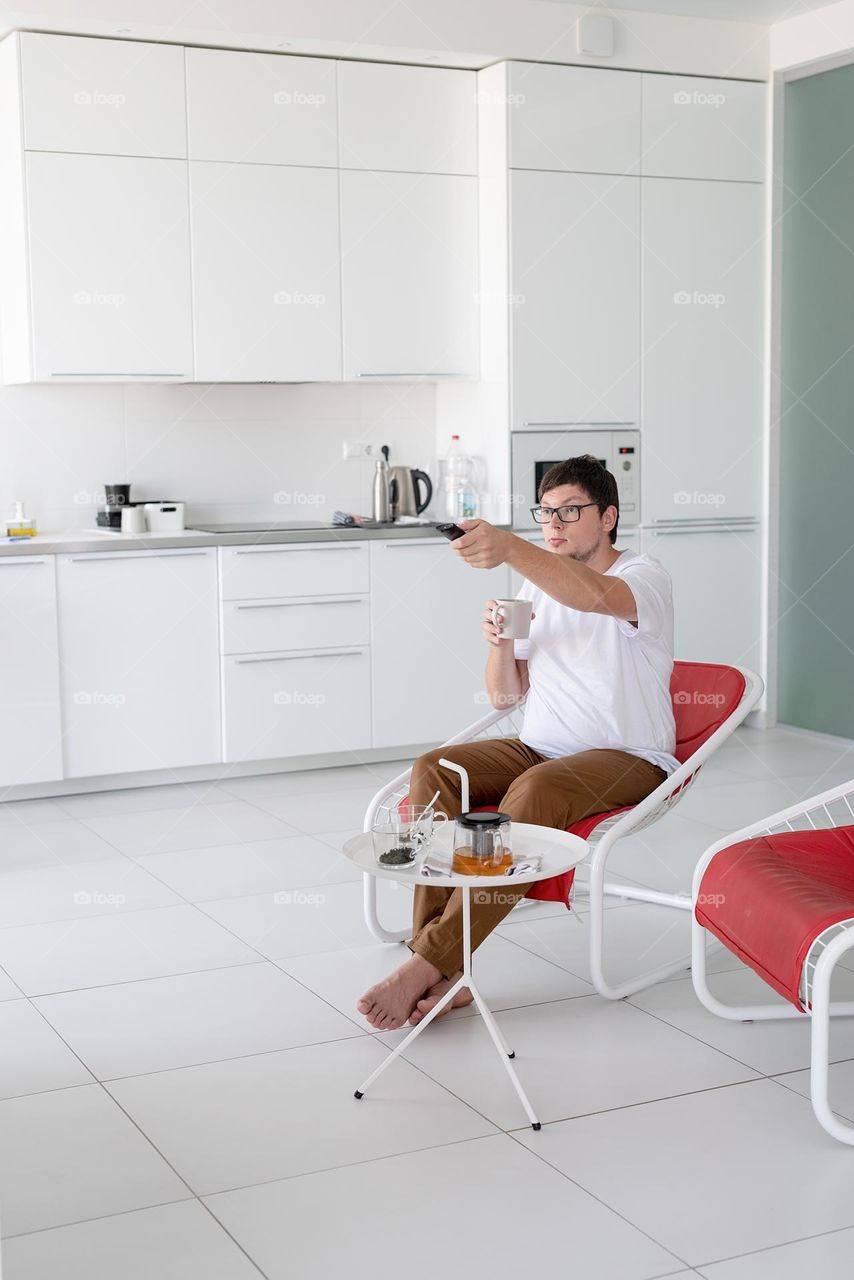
<point>532,452</point>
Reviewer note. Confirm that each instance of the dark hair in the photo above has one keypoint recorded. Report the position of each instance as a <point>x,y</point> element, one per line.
<point>588,474</point>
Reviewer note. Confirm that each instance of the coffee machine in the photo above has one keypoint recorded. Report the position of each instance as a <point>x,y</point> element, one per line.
<point>116,496</point>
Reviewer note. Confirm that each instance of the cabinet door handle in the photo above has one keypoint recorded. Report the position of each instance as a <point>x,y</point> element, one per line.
<point>137,555</point>
<point>293,657</point>
<point>412,542</point>
<point>705,528</point>
<point>110,373</point>
<point>262,551</point>
<point>296,604</point>
<point>576,422</point>
<point>434,373</point>
<point>21,560</point>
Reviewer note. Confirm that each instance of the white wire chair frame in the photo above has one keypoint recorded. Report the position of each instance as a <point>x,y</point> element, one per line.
<point>830,809</point>
<point>601,840</point>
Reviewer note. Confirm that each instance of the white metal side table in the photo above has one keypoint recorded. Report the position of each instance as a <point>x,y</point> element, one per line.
<point>559,851</point>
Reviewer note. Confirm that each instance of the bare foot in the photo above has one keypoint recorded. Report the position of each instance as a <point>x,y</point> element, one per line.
<point>388,1004</point>
<point>434,995</point>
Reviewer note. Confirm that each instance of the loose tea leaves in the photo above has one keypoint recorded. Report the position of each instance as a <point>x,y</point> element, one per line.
<point>400,856</point>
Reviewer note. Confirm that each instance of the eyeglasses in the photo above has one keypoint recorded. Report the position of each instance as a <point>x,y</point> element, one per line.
<point>566,515</point>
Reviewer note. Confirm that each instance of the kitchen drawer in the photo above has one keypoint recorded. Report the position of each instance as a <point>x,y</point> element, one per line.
<point>294,569</point>
<point>296,704</point>
<point>262,626</point>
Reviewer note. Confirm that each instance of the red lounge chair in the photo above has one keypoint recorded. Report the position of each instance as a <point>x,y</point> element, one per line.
<point>780,895</point>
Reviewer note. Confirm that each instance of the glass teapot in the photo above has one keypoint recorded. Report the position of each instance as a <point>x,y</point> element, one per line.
<point>482,844</point>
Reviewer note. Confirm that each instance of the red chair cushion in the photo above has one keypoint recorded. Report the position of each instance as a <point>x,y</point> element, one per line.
<point>769,898</point>
<point>704,695</point>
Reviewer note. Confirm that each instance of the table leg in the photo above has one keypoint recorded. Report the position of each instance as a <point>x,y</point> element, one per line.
<point>465,980</point>
<point>416,1031</point>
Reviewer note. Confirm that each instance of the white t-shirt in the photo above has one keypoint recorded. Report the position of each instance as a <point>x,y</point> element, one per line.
<point>598,681</point>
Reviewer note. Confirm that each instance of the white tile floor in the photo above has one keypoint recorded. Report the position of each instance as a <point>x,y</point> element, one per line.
<point>178,973</point>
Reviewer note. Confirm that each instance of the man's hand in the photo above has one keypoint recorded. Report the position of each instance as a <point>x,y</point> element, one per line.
<point>490,631</point>
<point>484,546</point>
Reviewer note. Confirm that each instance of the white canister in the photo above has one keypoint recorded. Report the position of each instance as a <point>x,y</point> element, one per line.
<point>133,519</point>
<point>165,517</point>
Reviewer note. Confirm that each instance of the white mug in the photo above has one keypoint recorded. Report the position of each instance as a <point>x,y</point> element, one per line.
<point>512,618</point>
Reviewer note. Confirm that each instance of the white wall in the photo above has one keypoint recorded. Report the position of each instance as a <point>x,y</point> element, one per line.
<point>231,452</point>
<point>826,33</point>
<point>452,32</point>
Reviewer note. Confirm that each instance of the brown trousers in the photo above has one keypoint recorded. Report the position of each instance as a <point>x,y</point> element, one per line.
<point>529,787</point>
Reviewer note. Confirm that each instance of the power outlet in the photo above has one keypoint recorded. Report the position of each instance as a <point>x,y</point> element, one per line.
<point>361,449</point>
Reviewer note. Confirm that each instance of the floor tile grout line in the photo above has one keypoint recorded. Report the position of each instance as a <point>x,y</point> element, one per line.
<point>193,1194</point>
<point>643,1102</point>
<point>103,1217</point>
<point>586,1191</point>
<point>784,1244</point>
<point>154,977</point>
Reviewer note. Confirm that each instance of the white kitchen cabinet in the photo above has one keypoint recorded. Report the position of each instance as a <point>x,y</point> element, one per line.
<point>427,648</point>
<point>575,318</point>
<point>704,349</point>
<point>409,274</point>
<point>140,662</point>
<point>701,128</point>
<point>277,705</point>
<point>31,741</point>
<point>413,119</point>
<point>266,273</point>
<point>112,97</point>
<point>266,626</point>
<point>717,587</point>
<point>584,119</point>
<point>109,267</point>
<point>294,569</point>
<point>268,108</point>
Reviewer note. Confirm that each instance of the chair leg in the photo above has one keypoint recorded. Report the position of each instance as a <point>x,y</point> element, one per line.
<point>734,1013</point>
<point>369,899</point>
<point>820,1048</point>
<point>609,990</point>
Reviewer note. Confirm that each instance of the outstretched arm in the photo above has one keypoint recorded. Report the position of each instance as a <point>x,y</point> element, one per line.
<point>566,580</point>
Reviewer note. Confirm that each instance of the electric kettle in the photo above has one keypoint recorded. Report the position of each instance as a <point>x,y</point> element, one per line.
<point>405,493</point>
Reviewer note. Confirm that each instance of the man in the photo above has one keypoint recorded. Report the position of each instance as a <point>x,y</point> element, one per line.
<point>598,729</point>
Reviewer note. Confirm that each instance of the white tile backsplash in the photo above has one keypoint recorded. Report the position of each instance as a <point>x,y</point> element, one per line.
<point>230,451</point>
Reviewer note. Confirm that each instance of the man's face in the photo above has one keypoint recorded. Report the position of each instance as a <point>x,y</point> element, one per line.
<point>583,538</point>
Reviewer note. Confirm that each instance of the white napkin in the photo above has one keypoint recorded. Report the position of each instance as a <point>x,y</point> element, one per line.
<point>436,864</point>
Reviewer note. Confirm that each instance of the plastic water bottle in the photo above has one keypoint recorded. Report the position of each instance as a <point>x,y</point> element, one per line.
<point>459,498</point>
